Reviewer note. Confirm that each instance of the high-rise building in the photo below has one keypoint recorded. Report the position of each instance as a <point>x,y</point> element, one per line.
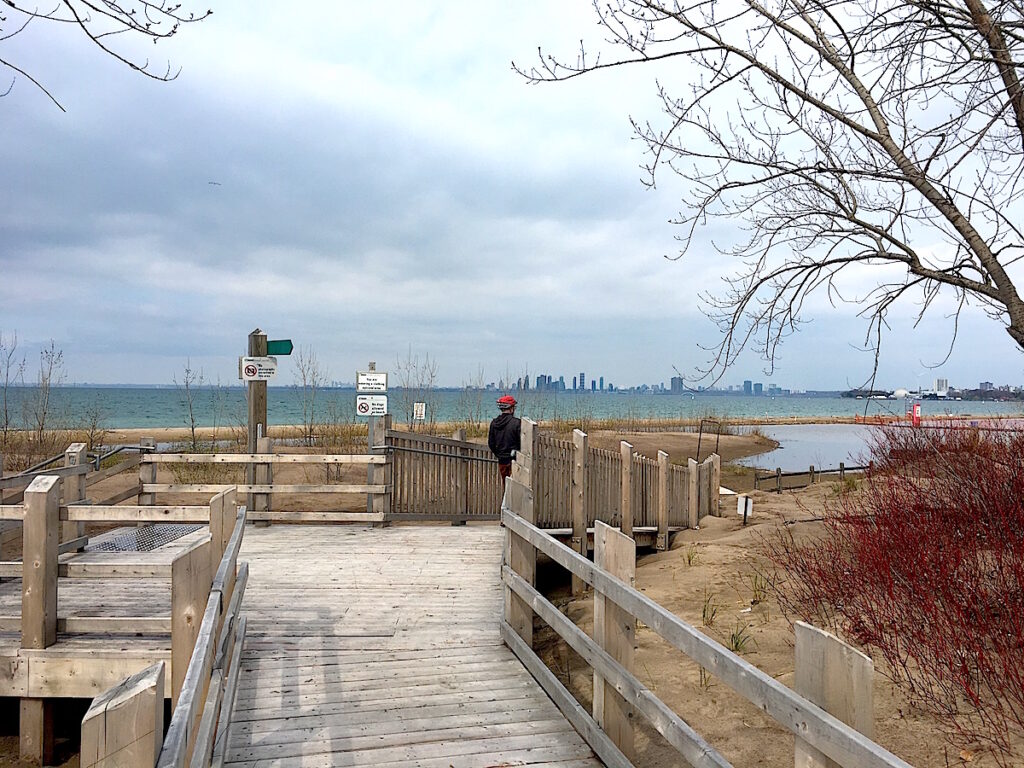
<point>758,389</point>
<point>986,386</point>
<point>583,380</point>
<point>574,383</point>
<point>941,385</point>
<point>601,385</point>
<point>561,383</point>
<point>748,387</point>
<point>677,384</point>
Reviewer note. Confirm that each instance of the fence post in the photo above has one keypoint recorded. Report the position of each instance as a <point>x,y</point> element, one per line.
<point>41,532</point>
<point>716,485</point>
<point>778,479</point>
<point>74,491</point>
<point>191,580</point>
<point>125,724</point>
<point>626,503</point>
<point>836,677</point>
<point>461,506</point>
<point>263,474</point>
<point>380,474</point>
<point>842,471</point>
<point>810,475</point>
<point>615,632</point>
<point>525,458</point>
<point>692,515</point>
<point>579,513</point>
<point>147,472</point>
<point>521,557</point>
<point>663,470</point>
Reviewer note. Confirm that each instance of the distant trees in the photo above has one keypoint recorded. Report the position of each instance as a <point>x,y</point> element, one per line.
<point>104,23</point>
<point>877,141</point>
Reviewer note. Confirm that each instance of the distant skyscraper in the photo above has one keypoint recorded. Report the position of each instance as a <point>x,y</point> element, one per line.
<point>593,385</point>
<point>574,382</point>
<point>601,385</point>
<point>748,387</point>
<point>677,384</point>
<point>583,380</point>
<point>941,385</point>
<point>561,383</point>
<point>758,389</point>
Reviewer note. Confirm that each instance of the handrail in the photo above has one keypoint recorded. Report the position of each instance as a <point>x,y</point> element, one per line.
<point>201,700</point>
<point>815,726</point>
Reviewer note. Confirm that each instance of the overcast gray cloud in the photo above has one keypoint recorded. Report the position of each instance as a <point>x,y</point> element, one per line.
<point>367,183</point>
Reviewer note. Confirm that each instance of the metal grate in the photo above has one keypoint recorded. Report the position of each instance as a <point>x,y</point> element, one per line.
<point>144,539</point>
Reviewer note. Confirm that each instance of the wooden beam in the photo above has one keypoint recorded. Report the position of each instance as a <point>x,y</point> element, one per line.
<point>692,515</point>
<point>521,557</point>
<point>615,632</point>
<point>577,716</point>
<point>151,488</point>
<point>73,489</point>
<point>124,726</point>
<point>105,474</point>
<point>36,731</point>
<point>579,513</point>
<point>837,677</point>
<point>106,513</point>
<point>626,487</point>
<point>190,589</point>
<point>39,569</point>
<point>663,469</point>
<point>690,744</point>
<point>823,731</point>
<point>230,688</point>
<point>267,458</point>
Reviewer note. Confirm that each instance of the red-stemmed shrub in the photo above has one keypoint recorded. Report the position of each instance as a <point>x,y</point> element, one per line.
<point>924,567</point>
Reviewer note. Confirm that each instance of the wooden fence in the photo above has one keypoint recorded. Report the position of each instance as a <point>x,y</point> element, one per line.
<point>124,725</point>
<point>780,481</point>
<point>827,670</point>
<point>260,492</point>
<point>193,567</point>
<point>438,478</point>
<point>624,489</point>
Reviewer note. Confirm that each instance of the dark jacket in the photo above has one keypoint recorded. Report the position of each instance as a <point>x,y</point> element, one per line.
<point>503,437</point>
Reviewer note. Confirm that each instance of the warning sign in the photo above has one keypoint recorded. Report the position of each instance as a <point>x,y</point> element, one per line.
<point>419,411</point>
<point>372,405</point>
<point>257,368</point>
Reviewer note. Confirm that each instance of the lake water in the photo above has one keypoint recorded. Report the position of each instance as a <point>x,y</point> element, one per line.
<point>140,407</point>
<point>820,445</point>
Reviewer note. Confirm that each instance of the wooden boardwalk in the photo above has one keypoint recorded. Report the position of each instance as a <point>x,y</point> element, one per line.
<point>381,647</point>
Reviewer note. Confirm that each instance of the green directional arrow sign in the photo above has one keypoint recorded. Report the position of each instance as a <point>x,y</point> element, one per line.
<point>279,347</point>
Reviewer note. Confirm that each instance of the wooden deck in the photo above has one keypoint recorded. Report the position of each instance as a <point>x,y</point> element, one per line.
<point>381,647</point>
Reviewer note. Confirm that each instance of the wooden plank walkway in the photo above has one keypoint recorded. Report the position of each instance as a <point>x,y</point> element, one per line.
<point>381,647</point>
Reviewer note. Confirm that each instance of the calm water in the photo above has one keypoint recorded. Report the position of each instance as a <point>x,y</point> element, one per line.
<point>819,445</point>
<point>127,407</point>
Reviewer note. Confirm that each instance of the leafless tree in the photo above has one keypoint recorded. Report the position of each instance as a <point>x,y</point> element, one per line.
<point>39,402</point>
<point>192,381</point>
<point>870,150</point>
<point>110,25</point>
<point>417,381</point>
<point>12,374</point>
<point>310,377</point>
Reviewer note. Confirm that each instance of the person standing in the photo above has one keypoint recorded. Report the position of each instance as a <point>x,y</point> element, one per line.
<point>503,436</point>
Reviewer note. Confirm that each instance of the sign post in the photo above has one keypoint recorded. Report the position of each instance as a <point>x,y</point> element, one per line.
<point>375,407</point>
<point>257,400</point>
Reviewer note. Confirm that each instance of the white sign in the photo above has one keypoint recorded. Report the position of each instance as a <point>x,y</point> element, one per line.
<point>257,368</point>
<point>372,405</point>
<point>419,411</point>
<point>371,381</point>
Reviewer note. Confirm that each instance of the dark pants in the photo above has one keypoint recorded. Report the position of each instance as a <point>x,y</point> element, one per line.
<point>504,472</point>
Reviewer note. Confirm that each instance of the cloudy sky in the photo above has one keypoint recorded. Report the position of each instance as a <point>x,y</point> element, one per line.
<point>369,180</point>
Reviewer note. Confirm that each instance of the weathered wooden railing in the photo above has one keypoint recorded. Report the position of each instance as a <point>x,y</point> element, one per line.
<point>125,724</point>
<point>439,478</point>
<point>619,694</point>
<point>576,484</point>
<point>264,487</point>
<point>783,481</point>
<point>190,570</point>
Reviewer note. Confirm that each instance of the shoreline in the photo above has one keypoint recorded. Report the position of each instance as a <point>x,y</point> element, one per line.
<point>625,426</point>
